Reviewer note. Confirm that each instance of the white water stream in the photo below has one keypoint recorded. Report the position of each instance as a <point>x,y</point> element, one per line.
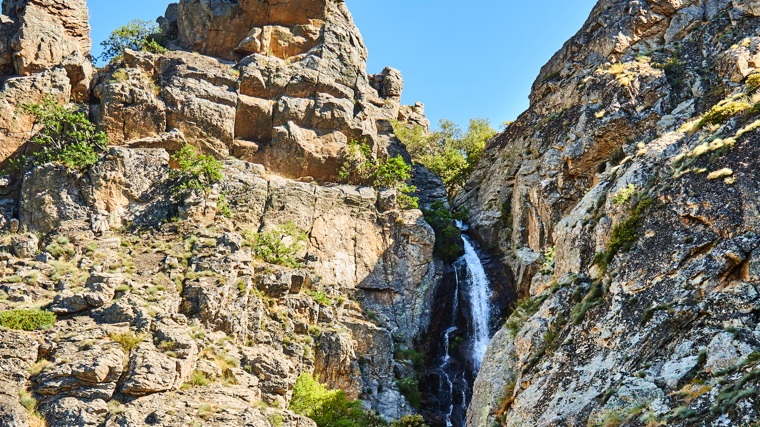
<point>480,303</point>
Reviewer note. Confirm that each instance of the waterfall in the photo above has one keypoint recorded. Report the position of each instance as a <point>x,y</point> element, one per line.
<point>480,302</point>
<point>445,364</point>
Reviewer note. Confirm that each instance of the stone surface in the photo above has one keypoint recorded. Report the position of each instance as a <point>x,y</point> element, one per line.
<point>669,325</point>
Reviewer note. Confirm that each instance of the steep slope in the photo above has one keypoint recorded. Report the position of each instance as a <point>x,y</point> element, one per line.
<point>168,312</point>
<point>625,202</point>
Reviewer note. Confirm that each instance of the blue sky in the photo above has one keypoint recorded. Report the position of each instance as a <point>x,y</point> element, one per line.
<point>462,59</point>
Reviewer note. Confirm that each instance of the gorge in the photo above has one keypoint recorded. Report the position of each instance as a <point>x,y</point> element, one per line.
<point>235,224</point>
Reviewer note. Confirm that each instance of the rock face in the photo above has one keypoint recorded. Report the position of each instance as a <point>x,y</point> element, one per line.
<point>44,49</point>
<point>636,162</point>
<point>282,84</point>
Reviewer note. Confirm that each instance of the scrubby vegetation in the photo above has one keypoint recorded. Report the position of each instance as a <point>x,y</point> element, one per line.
<point>278,246</point>
<point>330,408</point>
<point>624,234</point>
<point>26,320</point>
<point>136,35</point>
<point>449,153</point>
<point>196,172</point>
<point>361,167</point>
<point>66,136</point>
<point>448,237</point>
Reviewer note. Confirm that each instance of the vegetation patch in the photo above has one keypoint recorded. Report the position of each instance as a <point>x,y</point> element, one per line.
<point>196,172</point>
<point>523,311</point>
<point>136,35</point>
<point>27,320</point>
<point>278,246</point>
<point>451,153</point>
<point>362,167</point>
<point>624,234</point>
<point>448,237</point>
<point>66,136</point>
<point>329,408</point>
<point>127,340</point>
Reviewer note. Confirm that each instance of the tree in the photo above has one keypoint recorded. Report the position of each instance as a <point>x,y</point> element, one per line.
<point>196,172</point>
<point>329,408</point>
<point>66,135</point>
<point>136,35</point>
<point>361,167</point>
<point>449,153</point>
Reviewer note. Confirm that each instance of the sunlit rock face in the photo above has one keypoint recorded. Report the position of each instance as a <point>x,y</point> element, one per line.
<point>624,203</point>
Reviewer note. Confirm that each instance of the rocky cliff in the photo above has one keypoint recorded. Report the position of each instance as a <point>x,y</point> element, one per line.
<point>165,313</point>
<point>624,202</point>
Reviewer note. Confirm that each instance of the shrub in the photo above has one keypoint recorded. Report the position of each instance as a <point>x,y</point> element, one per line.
<point>66,136</point>
<point>409,387</point>
<point>448,238</point>
<point>624,195</point>
<point>27,320</point>
<point>723,111</point>
<point>198,378</point>
<point>128,340</point>
<point>361,167</point>
<point>409,421</point>
<point>522,312</point>
<point>280,245</point>
<point>196,172</point>
<point>136,35</point>
<point>623,235</point>
<point>329,408</point>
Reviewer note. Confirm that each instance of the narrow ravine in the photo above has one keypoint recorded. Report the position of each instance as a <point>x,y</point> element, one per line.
<point>462,345</point>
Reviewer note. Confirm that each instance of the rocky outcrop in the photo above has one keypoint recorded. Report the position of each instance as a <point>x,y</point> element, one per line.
<point>44,50</point>
<point>632,170</point>
<point>283,84</point>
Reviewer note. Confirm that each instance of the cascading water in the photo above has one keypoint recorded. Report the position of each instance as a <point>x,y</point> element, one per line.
<point>480,303</point>
<point>462,339</point>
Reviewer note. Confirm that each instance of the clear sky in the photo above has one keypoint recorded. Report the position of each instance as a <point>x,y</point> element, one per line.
<point>477,58</point>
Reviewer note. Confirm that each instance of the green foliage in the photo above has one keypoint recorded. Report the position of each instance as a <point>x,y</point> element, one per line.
<point>409,354</point>
<point>223,206</point>
<point>128,340</point>
<point>196,172</point>
<point>448,237</point>
<point>27,320</point>
<point>320,297</point>
<point>66,136</point>
<point>591,300</point>
<point>649,313</point>
<point>522,312</point>
<point>409,387</point>
<point>199,379</point>
<point>624,195</point>
<point>624,234</point>
<point>362,167</point>
<point>723,111</point>
<point>329,408</point>
<point>280,245</point>
<point>409,421</point>
<point>449,153</point>
<point>136,35</point>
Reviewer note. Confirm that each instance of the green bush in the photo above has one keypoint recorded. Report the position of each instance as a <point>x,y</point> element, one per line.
<point>449,153</point>
<point>448,238</point>
<point>409,387</point>
<point>128,340</point>
<point>624,234</point>
<point>136,35</point>
<point>27,320</point>
<point>280,245</point>
<point>67,136</point>
<point>196,172</point>
<point>409,421</point>
<point>361,167</point>
<point>329,408</point>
